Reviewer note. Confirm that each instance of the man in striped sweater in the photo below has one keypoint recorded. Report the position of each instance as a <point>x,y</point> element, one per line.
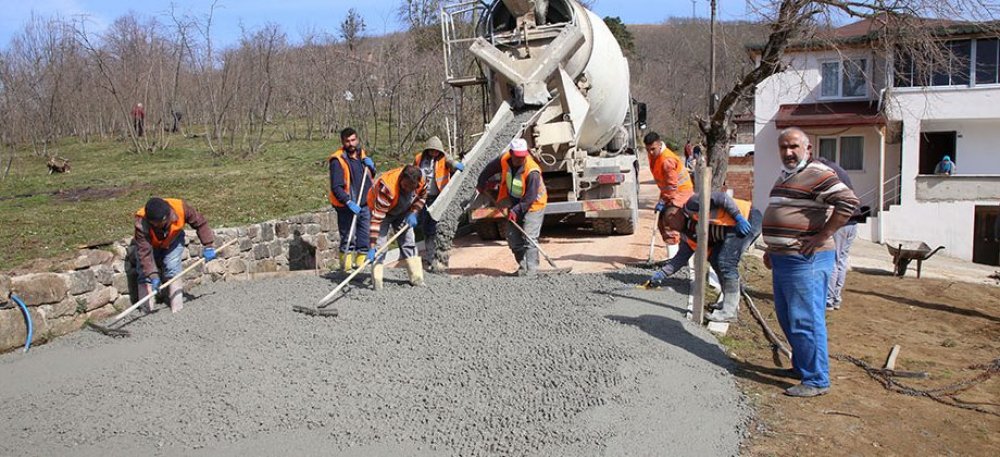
<point>807,204</point>
<point>396,199</point>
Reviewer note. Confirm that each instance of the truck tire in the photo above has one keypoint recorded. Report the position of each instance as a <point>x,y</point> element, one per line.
<point>604,226</point>
<point>489,230</point>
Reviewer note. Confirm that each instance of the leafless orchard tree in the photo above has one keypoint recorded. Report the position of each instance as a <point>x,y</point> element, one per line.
<point>899,26</point>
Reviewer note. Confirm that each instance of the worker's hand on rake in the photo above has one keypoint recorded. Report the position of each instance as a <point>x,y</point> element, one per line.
<point>372,251</point>
<point>368,162</point>
<point>743,227</point>
<point>660,206</point>
<point>412,220</point>
<point>658,277</point>
<point>154,282</point>
<point>353,207</point>
<point>208,253</point>
<point>459,166</point>
<point>512,215</point>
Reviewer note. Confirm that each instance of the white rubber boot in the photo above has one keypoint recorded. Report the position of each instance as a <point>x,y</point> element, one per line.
<point>416,271</point>
<point>176,295</point>
<point>378,273</point>
<point>730,304</point>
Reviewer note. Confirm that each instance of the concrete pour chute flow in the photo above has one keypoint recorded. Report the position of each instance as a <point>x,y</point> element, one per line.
<point>574,365</point>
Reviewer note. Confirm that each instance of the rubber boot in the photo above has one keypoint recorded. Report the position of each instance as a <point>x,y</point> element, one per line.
<point>430,245</point>
<point>416,271</point>
<point>175,294</point>
<point>346,262</point>
<point>142,291</point>
<point>531,262</point>
<point>360,259</point>
<point>730,302</point>
<point>519,258</point>
<point>378,273</point>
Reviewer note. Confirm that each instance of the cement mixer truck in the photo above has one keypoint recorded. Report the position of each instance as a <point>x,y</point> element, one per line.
<point>559,62</point>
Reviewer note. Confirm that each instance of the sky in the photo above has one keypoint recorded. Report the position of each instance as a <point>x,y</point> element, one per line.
<point>298,16</point>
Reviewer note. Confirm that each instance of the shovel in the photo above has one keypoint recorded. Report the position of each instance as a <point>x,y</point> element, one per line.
<point>117,332</point>
<point>555,268</point>
<point>320,309</point>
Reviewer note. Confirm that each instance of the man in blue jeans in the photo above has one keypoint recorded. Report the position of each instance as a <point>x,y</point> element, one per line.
<point>351,176</point>
<point>159,245</point>
<point>733,225</point>
<point>843,239</point>
<point>798,227</point>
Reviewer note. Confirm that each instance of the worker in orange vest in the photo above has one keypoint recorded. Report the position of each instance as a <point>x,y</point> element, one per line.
<point>159,245</point>
<point>674,182</point>
<point>437,169</point>
<point>396,199</point>
<point>351,175</point>
<point>522,197</point>
<point>733,225</point>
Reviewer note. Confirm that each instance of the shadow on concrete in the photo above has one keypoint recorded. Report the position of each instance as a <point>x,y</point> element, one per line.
<point>872,271</point>
<point>477,271</point>
<point>933,306</point>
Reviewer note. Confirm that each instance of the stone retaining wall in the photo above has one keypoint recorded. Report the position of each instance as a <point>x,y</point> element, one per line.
<point>98,283</point>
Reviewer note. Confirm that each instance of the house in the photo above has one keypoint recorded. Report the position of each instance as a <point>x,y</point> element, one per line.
<point>888,123</point>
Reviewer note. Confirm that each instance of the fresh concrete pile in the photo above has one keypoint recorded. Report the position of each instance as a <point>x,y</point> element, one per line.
<point>493,147</point>
<point>560,365</point>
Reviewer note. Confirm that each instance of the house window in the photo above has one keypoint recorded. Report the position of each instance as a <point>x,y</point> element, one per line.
<point>960,66</point>
<point>852,152</point>
<point>846,151</point>
<point>844,79</point>
<point>986,60</point>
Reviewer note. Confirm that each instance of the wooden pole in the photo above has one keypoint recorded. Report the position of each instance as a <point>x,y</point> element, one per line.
<point>701,254</point>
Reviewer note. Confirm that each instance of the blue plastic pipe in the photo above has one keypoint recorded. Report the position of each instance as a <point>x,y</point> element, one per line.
<point>27,321</point>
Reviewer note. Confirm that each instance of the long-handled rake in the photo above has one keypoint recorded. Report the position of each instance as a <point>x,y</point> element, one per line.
<point>106,329</point>
<point>354,220</point>
<point>555,268</point>
<point>320,308</point>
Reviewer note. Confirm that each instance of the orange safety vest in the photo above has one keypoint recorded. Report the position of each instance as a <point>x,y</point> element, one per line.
<point>338,155</point>
<point>176,226</point>
<point>391,181</point>
<point>507,182</point>
<point>720,216</point>
<point>684,183</point>
<point>441,173</point>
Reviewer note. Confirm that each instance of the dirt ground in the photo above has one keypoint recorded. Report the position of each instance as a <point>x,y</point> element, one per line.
<point>943,327</point>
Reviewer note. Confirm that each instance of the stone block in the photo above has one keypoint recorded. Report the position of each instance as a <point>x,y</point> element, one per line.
<point>281,229</point>
<point>236,266</point>
<point>94,257</point>
<point>322,243</point>
<point>120,283</point>
<point>103,312</point>
<point>13,329</point>
<point>105,274</point>
<point>66,307</point>
<point>4,288</point>
<point>40,288</point>
<point>245,244</point>
<point>264,266</point>
<point>312,229</point>
<point>261,251</point>
<point>120,250</point>
<point>327,221</point>
<point>276,248</point>
<point>232,250</point>
<point>101,297</point>
<point>122,303</point>
<point>281,261</point>
<point>66,325</point>
<point>253,232</point>
<point>82,281</point>
<point>266,231</point>
<point>215,267</point>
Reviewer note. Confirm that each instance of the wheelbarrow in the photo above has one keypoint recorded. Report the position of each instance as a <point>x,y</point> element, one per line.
<point>903,252</point>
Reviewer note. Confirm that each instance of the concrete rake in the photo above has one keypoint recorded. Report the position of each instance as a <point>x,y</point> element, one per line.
<point>555,268</point>
<point>321,306</point>
<point>118,332</point>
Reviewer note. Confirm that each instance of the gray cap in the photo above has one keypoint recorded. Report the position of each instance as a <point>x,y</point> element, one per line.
<point>435,144</point>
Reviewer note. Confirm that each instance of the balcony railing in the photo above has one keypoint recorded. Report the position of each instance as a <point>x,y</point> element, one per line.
<point>958,187</point>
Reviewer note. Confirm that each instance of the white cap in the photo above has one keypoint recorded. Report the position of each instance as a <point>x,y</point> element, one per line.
<point>519,147</point>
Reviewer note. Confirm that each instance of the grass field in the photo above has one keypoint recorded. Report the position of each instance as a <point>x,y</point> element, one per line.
<point>43,215</point>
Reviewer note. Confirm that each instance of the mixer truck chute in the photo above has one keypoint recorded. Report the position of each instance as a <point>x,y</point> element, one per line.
<point>560,59</point>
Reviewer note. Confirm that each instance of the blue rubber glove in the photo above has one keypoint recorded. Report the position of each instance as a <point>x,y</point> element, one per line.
<point>742,226</point>
<point>411,220</point>
<point>369,163</point>
<point>660,206</point>
<point>353,207</point>
<point>658,277</point>
<point>208,254</point>
<point>459,166</point>
<point>371,254</point>
<point>154,283</point>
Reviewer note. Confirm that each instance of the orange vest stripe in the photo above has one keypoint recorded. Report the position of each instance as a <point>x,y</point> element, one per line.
<point>338,155</point>
<point>722,217</point>
<point>441,173</point>
<point>529,166</point>
<point>176,227</point>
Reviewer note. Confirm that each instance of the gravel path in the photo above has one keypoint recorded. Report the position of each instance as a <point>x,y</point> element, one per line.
<point>572,365</point>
